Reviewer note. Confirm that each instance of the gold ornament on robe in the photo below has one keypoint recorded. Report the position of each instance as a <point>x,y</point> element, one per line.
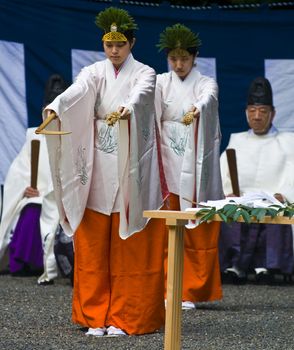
<point>41,129</point>
<point>112,118</point>
<point>188,118</point>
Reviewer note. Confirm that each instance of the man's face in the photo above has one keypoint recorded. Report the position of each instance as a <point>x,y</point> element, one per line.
<point>181,65</point>
<point>260,118</point>
<point>117,51</point>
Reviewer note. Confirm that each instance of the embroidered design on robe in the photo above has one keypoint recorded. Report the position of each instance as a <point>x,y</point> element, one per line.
<point>145,128</point>
<point>81,165</point>
<point>57,171</point>
<point>139,181</point>
<point>178,141</point>
<point>107,139</point>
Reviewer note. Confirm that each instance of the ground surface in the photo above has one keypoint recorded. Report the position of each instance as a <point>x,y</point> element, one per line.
<point>249,317</point>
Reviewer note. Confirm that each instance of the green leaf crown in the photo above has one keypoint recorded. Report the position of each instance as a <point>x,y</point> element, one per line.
<point>112,15</point>
<point>178,37</point>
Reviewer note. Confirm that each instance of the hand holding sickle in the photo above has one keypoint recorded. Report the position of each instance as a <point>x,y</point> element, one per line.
<point>41,129</point>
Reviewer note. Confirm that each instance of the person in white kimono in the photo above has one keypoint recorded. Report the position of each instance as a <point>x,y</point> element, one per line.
<point>265,161</point>
<point>30,215</point>
<point>187,112</point>
<point>106,172</point>
<point>24,206</point>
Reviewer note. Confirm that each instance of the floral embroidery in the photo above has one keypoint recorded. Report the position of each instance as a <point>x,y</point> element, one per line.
<point>145,127</point>
<point>107,139</point>
<point>178,141</point>
<point>57,169</point>
<point>139,181</point>
<point>81,165</point>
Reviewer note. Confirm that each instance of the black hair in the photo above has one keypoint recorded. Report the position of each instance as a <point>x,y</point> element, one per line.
<point>192,50</point>
<point>54,87</point>
<point>129,34</point>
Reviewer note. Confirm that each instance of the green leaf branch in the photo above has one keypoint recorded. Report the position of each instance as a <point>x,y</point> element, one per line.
<point>232,212</point>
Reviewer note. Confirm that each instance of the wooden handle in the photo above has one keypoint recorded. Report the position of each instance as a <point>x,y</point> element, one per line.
<point>35,148</point>
<point>41,129</point>
<point>232,163</point>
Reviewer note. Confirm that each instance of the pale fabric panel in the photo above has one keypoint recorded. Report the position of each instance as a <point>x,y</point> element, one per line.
<point>83,58</point>
<point>13,111</point>
<point>281,75</point>
<point>206,66</point>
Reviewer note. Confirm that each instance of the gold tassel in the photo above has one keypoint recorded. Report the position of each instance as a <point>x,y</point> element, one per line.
<point>112,118</point>
<point>188,118</point>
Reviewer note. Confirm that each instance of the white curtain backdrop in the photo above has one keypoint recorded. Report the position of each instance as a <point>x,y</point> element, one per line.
<point>82,58</point>
<point>206,66</point>
<point>13,110</point>
<point>281,75</point>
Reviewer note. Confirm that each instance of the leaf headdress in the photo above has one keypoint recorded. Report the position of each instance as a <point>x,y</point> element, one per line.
<point>179,38</point>
<point>115,22</point>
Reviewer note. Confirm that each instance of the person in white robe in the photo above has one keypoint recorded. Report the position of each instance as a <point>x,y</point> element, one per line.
<point>18,194</point>
<point>22,203</point>
<point>107,170</point>
<point>187,112</point>
<point>265,161</point>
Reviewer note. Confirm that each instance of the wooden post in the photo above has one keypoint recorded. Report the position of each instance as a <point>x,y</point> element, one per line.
<point>232,163</point>
<point>174,284</point>
<point>35,148</point>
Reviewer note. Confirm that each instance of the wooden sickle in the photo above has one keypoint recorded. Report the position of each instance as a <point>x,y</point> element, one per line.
<point>41,129</point>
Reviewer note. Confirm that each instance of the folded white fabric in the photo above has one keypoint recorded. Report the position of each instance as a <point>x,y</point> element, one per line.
<point>259,199</point>
<point>96,332</point>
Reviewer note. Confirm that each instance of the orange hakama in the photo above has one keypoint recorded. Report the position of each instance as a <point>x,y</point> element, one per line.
<point>118,282</point>
<point>201,277</point>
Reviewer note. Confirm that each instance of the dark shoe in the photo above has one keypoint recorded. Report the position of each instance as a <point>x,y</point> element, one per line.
<point>235,276</point>
<point>237,279</point>
<point>46,283</point>
<point>264,278</point>
<point>287,278</point>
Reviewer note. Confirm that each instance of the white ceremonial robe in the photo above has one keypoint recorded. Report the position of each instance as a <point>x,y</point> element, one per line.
<point>190,153</point>
<point>17,180</point>
<point>264,163</point>
<point>100,167</point>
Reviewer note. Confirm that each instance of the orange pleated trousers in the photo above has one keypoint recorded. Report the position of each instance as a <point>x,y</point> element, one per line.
<point>201,277</point>
<point>118,282</point>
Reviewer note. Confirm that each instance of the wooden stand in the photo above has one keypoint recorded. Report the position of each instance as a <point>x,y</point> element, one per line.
<point>174,286</point>
<point>175,220</point>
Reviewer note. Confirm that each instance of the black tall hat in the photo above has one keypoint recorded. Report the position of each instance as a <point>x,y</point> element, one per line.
<point>54,87</point>
<point>260,92</point>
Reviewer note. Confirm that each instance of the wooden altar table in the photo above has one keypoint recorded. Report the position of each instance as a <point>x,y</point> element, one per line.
<point>176,220</point>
